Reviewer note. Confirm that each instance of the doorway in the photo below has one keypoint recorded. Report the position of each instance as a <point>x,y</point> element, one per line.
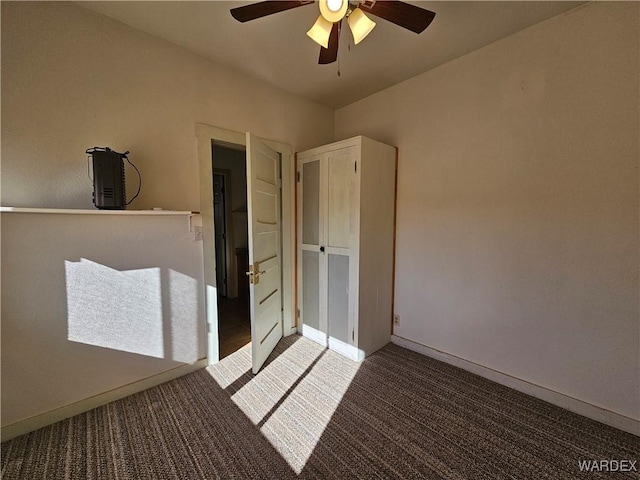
<point>220,223</point>
<point>207,137</point>
<point>231,243</point>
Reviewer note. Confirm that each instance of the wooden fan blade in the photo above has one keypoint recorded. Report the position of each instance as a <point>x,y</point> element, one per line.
<point>262,9</point>
<point>330,55</point>
<point>402,14</point>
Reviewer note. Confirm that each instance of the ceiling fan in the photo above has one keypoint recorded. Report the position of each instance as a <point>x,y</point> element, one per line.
<point>326,30</point>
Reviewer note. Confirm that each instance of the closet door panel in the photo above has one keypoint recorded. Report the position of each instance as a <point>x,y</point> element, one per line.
<point>338,297</point>
<point>311,203</point>
<point>311,288</point>
<point>340,173</point>
<point>311,259</point>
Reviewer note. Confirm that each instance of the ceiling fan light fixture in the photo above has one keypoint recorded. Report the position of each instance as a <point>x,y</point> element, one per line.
<point>321,31</point>
<point>334,5</point>
<point>360,25</point>
<point>333,10</point>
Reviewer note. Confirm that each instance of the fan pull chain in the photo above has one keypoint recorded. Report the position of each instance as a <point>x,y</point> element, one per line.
<point>349,49</point>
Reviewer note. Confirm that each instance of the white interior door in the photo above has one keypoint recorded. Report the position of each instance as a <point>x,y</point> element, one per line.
<point>265,256</point>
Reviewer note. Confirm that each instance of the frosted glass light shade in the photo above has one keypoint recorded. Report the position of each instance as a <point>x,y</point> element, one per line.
<point>321,31</point>
<point>360,25</point>
<point>333,10</point>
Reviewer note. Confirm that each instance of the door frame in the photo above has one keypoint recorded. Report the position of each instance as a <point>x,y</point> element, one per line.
<point>208,135</point>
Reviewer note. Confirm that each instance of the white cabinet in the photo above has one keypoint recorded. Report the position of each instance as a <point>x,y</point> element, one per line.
<point>345,218</point>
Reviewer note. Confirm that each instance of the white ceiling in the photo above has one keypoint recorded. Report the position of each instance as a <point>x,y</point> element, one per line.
<point>277,50</point>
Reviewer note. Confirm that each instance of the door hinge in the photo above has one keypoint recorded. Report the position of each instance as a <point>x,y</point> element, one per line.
<point>353,335</point>
<point>298,313</point>
<point>298,176</point>
<point>355,167</point>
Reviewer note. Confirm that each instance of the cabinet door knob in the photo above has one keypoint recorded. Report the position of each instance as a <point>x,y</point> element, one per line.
<point>322,248</point>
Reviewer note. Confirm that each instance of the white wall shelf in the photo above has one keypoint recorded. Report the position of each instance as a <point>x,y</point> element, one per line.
<point>74,211</point>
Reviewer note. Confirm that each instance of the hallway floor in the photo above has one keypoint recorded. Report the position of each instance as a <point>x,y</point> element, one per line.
<point>234,326</point>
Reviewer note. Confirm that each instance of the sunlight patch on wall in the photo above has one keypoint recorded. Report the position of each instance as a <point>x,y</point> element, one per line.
<point>183,308</point>
<point>112,309</point>
<point>211,305</point>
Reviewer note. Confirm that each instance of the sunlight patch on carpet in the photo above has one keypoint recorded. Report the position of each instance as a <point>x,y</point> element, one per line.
<point>293,398</point>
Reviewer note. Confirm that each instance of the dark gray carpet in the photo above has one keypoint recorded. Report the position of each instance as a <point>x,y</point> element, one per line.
<point>314,414</point>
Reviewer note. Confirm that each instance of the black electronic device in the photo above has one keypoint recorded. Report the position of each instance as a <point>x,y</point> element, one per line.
<point>109,186</point>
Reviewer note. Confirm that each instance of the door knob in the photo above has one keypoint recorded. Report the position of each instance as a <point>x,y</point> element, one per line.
<point>254,273</point>
<point>322,248</point>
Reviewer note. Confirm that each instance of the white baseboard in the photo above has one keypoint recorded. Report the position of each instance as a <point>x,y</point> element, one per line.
<point>314,334</point>
<point>574,405</point>
<point>332,343</point>
<point>345,349</point>
<point>38,421</point>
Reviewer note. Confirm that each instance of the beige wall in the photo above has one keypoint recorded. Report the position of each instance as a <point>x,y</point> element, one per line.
<point>73,79</point>
<point>517,228</point>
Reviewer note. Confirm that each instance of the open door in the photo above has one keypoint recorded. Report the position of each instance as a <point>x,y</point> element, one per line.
<point>265,284</point>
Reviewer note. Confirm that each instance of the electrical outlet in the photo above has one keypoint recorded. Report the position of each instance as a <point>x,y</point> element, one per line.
<point>396,319</point>
<point>197,233</point>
